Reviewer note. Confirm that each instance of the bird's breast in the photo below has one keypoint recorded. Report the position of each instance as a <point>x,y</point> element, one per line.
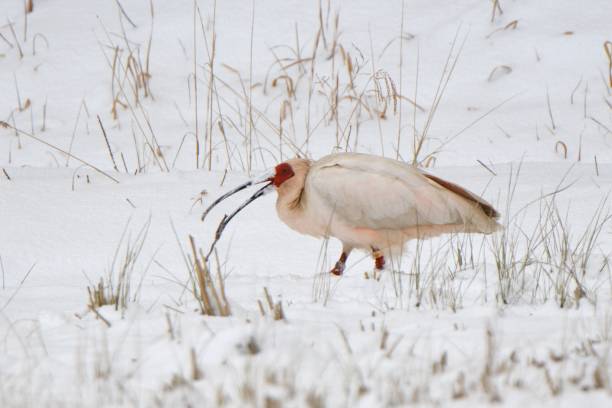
<point>302,215</point>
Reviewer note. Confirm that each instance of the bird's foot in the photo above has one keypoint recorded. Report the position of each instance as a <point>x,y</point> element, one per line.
<point>338,269</point>
<point>379,260</point>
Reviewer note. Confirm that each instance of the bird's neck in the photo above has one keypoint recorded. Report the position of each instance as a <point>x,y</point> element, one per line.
<point>290,199</point>
<point>290,209</point>
<point>290,202</point>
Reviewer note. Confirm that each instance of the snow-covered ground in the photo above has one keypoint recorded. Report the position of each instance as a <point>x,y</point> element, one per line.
<point>514,103</point>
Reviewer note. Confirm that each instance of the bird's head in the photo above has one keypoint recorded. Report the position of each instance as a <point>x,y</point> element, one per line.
<point>289,176</point>
<point>282,173</point>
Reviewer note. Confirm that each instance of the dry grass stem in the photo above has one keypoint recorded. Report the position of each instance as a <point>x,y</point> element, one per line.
<point>210,295</point>
<point>31,136</point>
<point>275,310</point>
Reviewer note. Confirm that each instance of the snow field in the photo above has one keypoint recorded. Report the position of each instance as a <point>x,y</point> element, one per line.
<point>123,124</point>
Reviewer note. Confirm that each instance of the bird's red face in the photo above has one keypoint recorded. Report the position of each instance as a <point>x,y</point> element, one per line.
<point>282,173</point>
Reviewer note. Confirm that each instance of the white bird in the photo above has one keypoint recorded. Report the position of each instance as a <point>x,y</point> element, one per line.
<point>367,202</point>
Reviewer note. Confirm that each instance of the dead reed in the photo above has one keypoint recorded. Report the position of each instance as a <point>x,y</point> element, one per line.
<point>209,294</point>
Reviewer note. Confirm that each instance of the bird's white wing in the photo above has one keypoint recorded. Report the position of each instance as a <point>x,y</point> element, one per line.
<point>378,193</point>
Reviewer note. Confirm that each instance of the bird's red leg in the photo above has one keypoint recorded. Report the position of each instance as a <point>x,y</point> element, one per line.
<point>339,267</point>
<point>379,259</point>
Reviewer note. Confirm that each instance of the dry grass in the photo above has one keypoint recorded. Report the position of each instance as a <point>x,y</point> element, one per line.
<point>608,49</point>
<point>549,260</point>
<point>228,126</point>
<point>116,289</point>
<point>130,84</point>
<point>210,295</point>
<point>55,148</point>
<point>271,308</point>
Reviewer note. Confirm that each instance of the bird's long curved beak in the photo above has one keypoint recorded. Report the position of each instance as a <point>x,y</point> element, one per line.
<point>262,179</point>
<point>226,219</point>
<point>269,177</point>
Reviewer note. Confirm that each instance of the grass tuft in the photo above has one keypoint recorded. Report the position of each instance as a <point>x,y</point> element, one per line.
<point>210,295</point>
<point>116,288</point>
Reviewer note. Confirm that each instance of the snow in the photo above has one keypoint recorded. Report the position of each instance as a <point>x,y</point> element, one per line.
<point>520,98</point>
